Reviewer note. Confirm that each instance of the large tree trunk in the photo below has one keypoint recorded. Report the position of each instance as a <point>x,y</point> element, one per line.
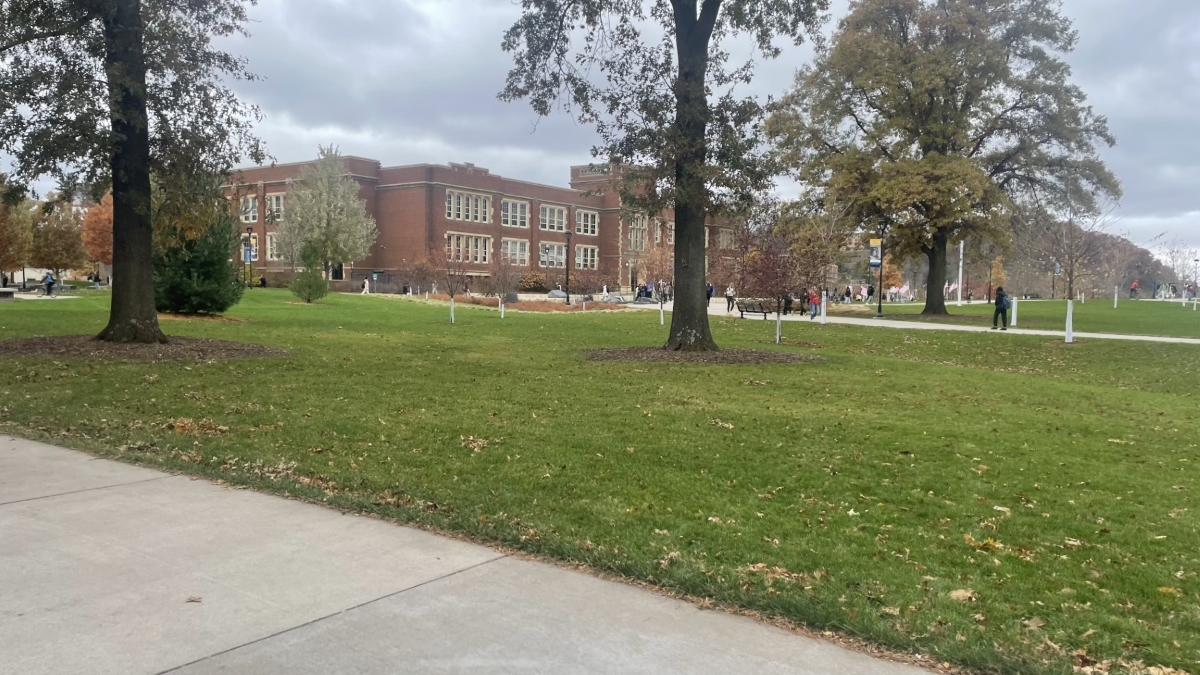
<point>689,319</point>
<point>935,299</point>
<point>132,317</point>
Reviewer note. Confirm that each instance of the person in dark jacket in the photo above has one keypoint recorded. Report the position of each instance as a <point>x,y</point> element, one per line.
<point>1003,304</point>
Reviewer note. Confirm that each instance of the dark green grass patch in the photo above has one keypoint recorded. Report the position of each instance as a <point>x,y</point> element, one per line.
<point>995,504</point>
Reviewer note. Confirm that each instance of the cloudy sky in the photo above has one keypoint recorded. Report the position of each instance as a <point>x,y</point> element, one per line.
<point>410,81</point>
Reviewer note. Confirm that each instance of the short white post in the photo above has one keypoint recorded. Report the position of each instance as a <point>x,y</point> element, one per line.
<point>778,327</point>
<point>1070,322</point>
<point>584,306</point>
<point>1116,295</point>
<point>824,301</point>
<point>661,315</point>
<point>452,309</point>
<point>1013,323</point>
<point>1083,298</point>
<point>501,308</point>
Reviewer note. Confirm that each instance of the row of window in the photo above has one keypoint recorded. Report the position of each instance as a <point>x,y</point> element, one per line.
<point>474,249</point>
<point>249,208</point>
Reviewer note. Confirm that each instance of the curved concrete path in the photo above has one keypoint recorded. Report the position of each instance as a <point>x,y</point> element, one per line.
<point>112,568</point>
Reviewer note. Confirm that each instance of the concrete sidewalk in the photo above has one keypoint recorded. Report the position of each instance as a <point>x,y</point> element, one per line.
<point>111,568</point>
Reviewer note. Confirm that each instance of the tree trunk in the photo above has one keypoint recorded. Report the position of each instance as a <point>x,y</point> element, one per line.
<point>132,316</point>
<point>689,318</point>
<point>935,298</point>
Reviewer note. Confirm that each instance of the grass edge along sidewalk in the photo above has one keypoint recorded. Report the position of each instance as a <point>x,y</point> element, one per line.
<point>914,488</point>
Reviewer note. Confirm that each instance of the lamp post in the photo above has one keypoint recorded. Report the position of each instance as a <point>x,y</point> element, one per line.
<point>248,268</point>
<point>567,267</point>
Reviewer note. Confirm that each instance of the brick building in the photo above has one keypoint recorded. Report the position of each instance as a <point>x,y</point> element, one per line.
<point>471,212</point>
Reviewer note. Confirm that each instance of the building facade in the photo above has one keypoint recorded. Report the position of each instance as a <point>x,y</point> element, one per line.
<point>475,216</point>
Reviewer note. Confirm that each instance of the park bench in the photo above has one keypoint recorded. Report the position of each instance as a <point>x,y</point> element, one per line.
<point>745,307</point>
<point>7,294</point>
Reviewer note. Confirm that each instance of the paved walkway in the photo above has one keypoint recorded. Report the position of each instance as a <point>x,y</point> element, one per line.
<point>715,310</point>
<point>112,568</point>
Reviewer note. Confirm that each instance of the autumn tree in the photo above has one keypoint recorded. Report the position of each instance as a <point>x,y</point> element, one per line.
<point>504,277</point>
<point>448,268</point>
<point>58,239</point>
<point>113,91</point>
<point>98,231</point>
<point>939,115</point>
<point>324,209</point>
<point>16,233</point>
<point>655,80</point>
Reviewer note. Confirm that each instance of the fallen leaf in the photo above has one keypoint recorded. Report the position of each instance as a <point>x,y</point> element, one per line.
<point>194,598</point>
<point>1033,624</point>
<point>963,595</point>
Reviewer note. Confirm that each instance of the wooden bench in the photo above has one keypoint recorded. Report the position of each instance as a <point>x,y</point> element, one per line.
<point>7,294</point>
<point>745,307</point>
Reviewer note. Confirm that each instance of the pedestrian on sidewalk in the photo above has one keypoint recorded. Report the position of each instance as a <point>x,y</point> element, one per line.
<point>1133,289</point>
<point>711,292</point>
<point>1003,304</point>
<point>787,303</point>
<point>730,297</point>
<point>814,304</point>
<point>870,293</point>
<point>366,287</point>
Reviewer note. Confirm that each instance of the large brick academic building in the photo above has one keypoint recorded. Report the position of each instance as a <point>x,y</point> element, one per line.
<point>470,212</point>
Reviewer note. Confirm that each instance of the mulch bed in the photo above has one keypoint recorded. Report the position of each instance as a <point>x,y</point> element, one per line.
<point>178,349</point>
<point>720,357</point>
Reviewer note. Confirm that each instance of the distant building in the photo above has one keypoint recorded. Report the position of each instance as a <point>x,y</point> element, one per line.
<point>469,211</point>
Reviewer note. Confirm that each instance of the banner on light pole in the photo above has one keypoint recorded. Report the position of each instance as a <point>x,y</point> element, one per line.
<point>876,251</point>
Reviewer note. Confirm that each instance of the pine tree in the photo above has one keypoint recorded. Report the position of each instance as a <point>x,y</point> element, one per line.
<point>194,275</point>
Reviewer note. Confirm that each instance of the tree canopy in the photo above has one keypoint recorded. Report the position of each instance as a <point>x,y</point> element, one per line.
<point>935,117</point>
<point>325,209</point>
<point>97,231</point>
<point>655,79</point>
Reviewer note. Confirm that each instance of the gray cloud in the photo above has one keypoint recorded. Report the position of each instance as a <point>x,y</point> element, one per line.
<point>407,81</point>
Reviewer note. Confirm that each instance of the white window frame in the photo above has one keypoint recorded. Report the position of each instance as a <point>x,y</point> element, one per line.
<point>473,249</point>
<point>671,232</point>
<point>469,207</point>
<point>658,232</point>
<point>254,247</point>
<point>637,232</point>
<point>587,257</point>
<point>587,222</point>
<point>275,205</point>
<point>556,216</point>
<point>519,256</point>
<point>560,254</point>
<point>725,238</point>
<point>514,213</point>
<point>272,246</point>
<point>249,208</point>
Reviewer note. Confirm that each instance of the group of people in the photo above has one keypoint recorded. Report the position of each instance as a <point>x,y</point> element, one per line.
<point>662,291</point>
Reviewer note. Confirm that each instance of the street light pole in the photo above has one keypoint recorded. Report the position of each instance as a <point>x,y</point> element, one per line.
<point>879,290</point>
<point>567,266</point>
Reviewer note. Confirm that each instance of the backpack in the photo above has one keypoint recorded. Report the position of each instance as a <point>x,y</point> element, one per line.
<point>1007,303</point>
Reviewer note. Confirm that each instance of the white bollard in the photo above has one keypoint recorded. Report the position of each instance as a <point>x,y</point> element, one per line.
<point>584,306</point>
<point>661,315</point>
<point>1070,337</point>
<point>1083,298</point>
<point>501,308</point>
<point>1116,295</point>
<point>824,301</point>
<point>1016,302</point>
<point>778,327</point>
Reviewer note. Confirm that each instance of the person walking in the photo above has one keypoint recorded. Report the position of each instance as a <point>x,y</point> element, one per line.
<point>814,304</point>
<point>1133,289</point>
<point>49,281</point>
<point>1003,304</point>
<point>870,293</point>
<point>730,298</point>
<point>711,292</point>
<point>788,300</point>
<point>366,287</point>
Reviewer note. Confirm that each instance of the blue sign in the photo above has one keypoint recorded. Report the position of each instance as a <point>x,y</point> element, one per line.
<point>246,255</point>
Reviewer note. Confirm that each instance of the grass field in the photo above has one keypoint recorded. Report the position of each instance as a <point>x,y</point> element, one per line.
<point>1001,505</point>
<point>1134,317</point>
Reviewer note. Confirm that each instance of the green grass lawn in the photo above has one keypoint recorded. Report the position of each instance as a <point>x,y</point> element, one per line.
<point>1134,317</point>
<point>1053,487</point>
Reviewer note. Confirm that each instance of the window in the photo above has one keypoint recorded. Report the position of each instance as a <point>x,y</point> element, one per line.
<point>514,214</point>
<point>725,238</point>
<point>586,257</point>
<point>466,206</point>
<point>657,232</point>
<point>552,255</point>
<point>586,222</point>
<point>637,232</point>
<point>553,218</point>
<point>272,246</point>
<point>249,209</point>
<point>671,232</point>
<point>275,207</point>
<point>254,248</point>
<point>515,251</point>
<point>467,248</point>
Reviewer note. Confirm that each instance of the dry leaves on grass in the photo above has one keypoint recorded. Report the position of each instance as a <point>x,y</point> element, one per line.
<point>190,427</point>
<point>478,443</point>
<point>963,595</point>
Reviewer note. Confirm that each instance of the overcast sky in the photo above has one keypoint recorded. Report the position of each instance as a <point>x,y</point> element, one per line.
<point>411,81</point>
